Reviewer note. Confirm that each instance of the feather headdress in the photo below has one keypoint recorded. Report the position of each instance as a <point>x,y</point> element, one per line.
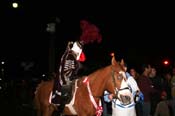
<point>90,32</point>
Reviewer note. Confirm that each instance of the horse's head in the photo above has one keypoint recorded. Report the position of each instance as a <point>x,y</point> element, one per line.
<point>119,86</point>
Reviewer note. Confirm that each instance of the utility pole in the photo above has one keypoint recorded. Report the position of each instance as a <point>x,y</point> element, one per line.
<point>51,28</point>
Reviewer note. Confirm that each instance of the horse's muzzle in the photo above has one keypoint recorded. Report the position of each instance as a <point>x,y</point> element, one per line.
<point>125,100</point>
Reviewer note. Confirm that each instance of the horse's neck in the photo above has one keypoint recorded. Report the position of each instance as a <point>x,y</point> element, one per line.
<point>97,81</point>
<point>97,86</point>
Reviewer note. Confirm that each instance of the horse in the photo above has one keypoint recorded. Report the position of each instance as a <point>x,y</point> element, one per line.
<point>88,91</point>
<point>120,109</point>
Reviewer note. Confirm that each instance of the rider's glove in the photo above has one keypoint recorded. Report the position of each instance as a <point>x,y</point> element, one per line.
<point>106,98</point>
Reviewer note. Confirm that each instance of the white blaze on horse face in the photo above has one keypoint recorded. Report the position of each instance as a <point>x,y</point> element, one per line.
<point>124,84</point>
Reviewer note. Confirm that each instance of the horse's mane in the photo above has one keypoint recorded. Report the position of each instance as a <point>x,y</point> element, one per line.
<point>98,70</point>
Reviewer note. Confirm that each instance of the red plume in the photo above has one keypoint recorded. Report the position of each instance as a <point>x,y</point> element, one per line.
<point>90,32</point>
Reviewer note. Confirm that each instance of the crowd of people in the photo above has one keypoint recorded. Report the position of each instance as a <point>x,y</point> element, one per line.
<point>158,90</point>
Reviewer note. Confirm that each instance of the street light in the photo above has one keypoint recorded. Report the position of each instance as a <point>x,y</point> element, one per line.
<point>15,5</point>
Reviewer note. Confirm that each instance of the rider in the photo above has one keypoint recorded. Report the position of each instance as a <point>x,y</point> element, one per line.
<point>68,69</point>
<point>116,104</point>
<point>70,62</point>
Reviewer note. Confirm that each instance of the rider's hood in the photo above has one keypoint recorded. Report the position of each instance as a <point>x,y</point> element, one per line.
<point>77,48</point>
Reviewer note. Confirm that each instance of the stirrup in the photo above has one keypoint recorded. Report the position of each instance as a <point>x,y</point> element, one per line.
<point>58,93</point>
<point>57,105</point>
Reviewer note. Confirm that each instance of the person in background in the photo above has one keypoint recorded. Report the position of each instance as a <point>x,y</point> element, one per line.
<point>173,77</point>
<point>173,100</point>
<point>148,90</point>
<point>167,84</point>
<point>173,91</point>
<point>162,108</point>
<point>134,73</point>
<point>157,82</point>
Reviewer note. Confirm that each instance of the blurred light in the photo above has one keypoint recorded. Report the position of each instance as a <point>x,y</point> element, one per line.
<point>2,62</point>
<point>166,62</point>
<point>15,5</point>
<point>43,75</point>
<point>112,54</point>
<point>51,27</point>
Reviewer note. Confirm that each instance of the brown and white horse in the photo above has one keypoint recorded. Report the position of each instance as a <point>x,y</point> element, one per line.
<point>88,92</point>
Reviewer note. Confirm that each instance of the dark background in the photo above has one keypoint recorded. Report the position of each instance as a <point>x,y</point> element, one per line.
<point>137,33</point>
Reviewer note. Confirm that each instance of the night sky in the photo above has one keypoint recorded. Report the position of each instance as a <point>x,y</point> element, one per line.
<point>136,34</point>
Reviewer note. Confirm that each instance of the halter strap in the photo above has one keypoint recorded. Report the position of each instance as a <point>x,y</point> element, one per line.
<point>115,86</point>
<point>98,108</point>
<point>113,79</point>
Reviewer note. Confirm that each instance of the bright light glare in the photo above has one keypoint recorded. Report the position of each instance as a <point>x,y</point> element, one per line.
<point>166,62</point>
<point>15,5</point>
<point>2,62</point>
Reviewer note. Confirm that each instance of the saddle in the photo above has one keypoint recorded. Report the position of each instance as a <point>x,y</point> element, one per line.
<point>67,92</point>
<point>64,96</point>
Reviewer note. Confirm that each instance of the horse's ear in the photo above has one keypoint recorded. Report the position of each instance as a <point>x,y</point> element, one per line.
<point>122,62</point>
<point>113,61</point>
<point>123,65</point>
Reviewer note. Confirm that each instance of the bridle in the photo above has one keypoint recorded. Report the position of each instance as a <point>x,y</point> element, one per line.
<point>117,90</point>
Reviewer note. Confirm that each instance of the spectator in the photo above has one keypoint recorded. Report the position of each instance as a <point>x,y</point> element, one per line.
<point>147,88</point>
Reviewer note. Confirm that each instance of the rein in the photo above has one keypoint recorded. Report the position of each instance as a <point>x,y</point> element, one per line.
<point>113,79</point>
<point>116,90</point>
